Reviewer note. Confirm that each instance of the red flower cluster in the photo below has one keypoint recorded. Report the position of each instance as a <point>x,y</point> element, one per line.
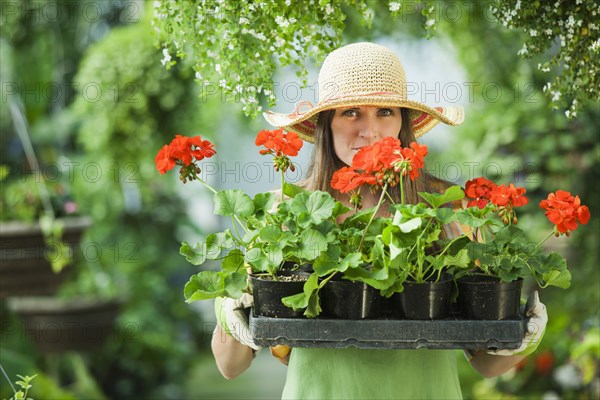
<point>279,143</point>
<point>182,151</point>
<point>565,211</point>
<point>347,179</point>
<point>482,191</point>
<point>508,196</point>
<point>380,163</point>
<point>479,190</point>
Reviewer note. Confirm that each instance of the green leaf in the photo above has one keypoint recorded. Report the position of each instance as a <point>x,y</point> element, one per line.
<point>410,225</point>
<point>310,245</point>
<point>445,215</point>
<point>453,193</point>
<point>233,261</point>
<point>257,260</point>
<point>270,233</point>
<point>291,190</point>
<point>211,249</point>
<point>339,209</point>
<point>195,255</point>
<point>312,208</point>
<point>314,308</point>
<point>204,285</point>
<point>328,261</point>
<point>264,202</point>
<point>460,259</point>
<point>302,300</point>
<point>235,284</point>
<point>233,202</point>
<point>561,279</point>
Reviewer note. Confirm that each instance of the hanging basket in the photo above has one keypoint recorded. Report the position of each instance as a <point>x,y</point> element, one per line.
<point>57,325</point>
<point>24,268</point>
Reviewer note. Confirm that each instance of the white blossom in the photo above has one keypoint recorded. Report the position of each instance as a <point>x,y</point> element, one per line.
<point>543,68</point>
<point>218,68</point>
<point>430,22</point>
<point>523,50</point>
<point>328,9</point>
<point>244,21</point>
<point>533,33</point>
<point>394,6</point>
<point>279,42</point>
<point>166,57</point>
<point>282,21</point>
<point>555,95</point>
<point>198,76</point>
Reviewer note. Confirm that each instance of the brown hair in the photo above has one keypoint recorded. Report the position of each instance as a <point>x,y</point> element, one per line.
<point>325,162</point>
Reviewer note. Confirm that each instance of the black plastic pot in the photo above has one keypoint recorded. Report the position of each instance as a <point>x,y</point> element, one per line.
<point>429,300</point>
<point>486,297</point>
<point>344,299</point>
<point>269,292</point>
<point>391,307</point>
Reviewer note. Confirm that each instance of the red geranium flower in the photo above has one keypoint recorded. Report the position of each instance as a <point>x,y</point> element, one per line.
<point>479,190</point>
<point>346,179</point>
<point>182,151</point>
<point>509,197</point>
<point>414,155</point>
<point>278,142</point>
<point>565,211</point>
<point>204,148</point>
<point>164,160</point>
<point>377,157</point>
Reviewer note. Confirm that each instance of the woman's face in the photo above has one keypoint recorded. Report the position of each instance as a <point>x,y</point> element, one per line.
<point>358,126</point>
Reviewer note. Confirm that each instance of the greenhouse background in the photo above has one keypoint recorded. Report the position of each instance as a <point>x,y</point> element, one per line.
<point>95,88</point>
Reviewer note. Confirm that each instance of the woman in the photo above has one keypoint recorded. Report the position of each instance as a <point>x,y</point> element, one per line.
<point>362,99</point>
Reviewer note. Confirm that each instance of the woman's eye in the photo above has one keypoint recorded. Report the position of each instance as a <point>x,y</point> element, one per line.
<point>350,113</point>
<point>386,112</point>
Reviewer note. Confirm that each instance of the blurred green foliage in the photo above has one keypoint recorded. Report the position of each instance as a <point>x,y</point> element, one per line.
<point>109,107</point>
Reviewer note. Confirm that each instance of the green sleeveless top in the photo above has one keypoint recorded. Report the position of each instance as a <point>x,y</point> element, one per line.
<point>351,373</point>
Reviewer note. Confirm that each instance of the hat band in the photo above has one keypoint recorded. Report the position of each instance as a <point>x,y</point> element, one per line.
<point>355,95</point>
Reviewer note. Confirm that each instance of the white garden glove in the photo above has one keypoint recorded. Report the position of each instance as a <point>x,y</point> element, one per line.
<point>233,319</point>
<point>536,326</point>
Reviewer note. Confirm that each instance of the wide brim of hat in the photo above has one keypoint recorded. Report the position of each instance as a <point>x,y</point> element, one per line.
<point>422,117</point>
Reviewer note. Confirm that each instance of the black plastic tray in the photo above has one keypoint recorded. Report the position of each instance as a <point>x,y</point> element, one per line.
<point>451,333</point>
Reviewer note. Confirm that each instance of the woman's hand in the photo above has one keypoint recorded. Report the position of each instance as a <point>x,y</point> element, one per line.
<point>497,362</point>
<point>537,319</point>
<point>232,345</point>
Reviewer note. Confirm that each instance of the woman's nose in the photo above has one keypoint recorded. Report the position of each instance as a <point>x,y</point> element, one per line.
<point>369,131</point>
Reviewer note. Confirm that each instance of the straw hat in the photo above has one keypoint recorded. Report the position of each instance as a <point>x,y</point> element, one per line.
<point>363,74</point>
